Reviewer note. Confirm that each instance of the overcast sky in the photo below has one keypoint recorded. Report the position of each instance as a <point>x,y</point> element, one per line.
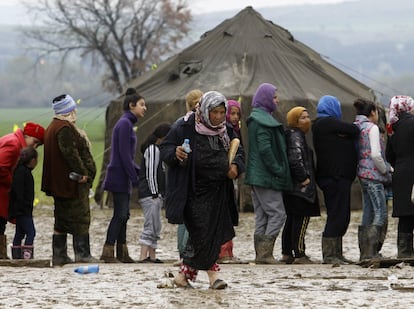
<point>13,13</point>
<point>199,6</point>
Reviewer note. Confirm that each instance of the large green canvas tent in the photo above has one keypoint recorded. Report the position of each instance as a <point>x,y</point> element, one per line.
<point>234,58</point>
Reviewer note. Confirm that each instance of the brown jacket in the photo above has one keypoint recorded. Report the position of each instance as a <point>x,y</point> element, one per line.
<point>65,151</point>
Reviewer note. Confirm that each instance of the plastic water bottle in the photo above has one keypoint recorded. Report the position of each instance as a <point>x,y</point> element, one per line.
<point>87,269</point>
<point>75,176</point>
<point>187,149</point>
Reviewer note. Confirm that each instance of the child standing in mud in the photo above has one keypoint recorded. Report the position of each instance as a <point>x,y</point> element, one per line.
<point>151,190</point>
<point>21,204</point>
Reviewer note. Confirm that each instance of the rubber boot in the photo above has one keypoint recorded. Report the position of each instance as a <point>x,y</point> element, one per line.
<point>27,252</point>
<point>340,252</point>
<point>263,245</point>
<point>16,252</point>
<point>122,253</point>
<point>60,250</point>
<point>369,238</point>
<point>330,252</point>
<point>82,249</point>
<point>405,245</point>
<point>363,242</point>
<point>108,254</point>
<point>382,236</point>
<point>3,247</point>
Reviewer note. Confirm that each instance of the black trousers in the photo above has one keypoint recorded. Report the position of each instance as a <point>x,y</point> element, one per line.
<point>337,194</point>
<point>406,224</point>
<point>293,235</point>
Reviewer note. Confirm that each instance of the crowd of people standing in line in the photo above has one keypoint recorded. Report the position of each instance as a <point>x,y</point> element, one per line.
<point>198,188</point>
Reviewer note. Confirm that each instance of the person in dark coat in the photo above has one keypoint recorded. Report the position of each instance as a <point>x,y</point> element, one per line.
<point>21,204</point>
<point>336,154</point>
<point>67,150</point>
<point>121,175</point>
<point>400,153</point>
<point>200,192</point>
<point>302,202</point>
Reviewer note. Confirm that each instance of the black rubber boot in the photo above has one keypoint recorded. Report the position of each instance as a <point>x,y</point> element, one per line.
<point>82,250</point>
<point>382,236</point>
<point>363,242</point>
<point>60,250</point>
<point>340,252</point>
<point>329,251</point>
<point>405,245</point>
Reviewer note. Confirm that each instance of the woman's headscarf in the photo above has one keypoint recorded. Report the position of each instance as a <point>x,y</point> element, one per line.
<point>233,103</point>
<point>399,104</point>
<point>293,119</point>
<point>329,106</point>
<point>263,98</point>
<point>209,101</point>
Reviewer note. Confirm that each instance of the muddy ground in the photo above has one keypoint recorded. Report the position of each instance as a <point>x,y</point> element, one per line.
<point>250,286</point>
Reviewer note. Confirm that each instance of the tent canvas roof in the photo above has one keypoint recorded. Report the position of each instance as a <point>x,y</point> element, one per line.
<point>234,58</point>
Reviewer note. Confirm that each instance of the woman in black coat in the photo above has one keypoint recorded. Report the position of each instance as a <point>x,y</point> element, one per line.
<point>400,153</point>
<point>200,193</point>
<point>302,202</point>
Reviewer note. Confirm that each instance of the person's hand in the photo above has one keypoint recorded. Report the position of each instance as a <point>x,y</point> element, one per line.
<point>306,182</point>
<point>233,171</point>
<point>84,179</point>
<point>180,154</point>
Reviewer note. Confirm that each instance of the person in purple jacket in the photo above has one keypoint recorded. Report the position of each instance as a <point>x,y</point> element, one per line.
<point>121,174</point>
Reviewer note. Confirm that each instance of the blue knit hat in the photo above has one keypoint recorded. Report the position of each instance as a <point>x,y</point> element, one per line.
<point>63,104</point>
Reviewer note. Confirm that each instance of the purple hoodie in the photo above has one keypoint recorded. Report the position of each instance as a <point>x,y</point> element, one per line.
<point>263,98</point>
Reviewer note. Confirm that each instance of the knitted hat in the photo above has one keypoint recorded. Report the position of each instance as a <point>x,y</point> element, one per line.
<point>34,130</point>
<point>63,104</point>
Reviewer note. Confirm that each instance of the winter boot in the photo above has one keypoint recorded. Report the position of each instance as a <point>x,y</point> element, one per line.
<point>27,252</point>
<point>363,242</point>
<point>340,252</point>
<point>82,249</point>
<point>383,234</point>
<point>3,247</point>
<point>330,253</point>
<point>263,245</point>
<point>122,253</point>
<point>405,245</point>
<point>369,238</point>
<point>60,250</point>
<point>16,252</point>
<point>108,254</point>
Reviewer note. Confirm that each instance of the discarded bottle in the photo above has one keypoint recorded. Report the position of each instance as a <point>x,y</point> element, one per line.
<point>87,269</point>
<point>187,149</point>
<point>75,176</point>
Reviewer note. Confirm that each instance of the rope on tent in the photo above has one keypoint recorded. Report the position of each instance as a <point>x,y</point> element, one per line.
<point>366,76</point>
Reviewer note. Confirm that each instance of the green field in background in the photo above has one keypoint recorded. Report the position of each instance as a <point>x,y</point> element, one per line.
<point>92,120</point>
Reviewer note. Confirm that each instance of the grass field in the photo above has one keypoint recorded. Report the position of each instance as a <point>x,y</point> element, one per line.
<point>92,120</point>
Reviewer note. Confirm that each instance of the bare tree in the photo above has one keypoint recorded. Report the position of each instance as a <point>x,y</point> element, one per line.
<point>125,37</point>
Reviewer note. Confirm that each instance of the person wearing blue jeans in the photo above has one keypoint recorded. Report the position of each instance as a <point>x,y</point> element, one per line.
<point>373,172</point>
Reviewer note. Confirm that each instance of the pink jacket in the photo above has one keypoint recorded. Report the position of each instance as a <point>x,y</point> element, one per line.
<point>10,147</point>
